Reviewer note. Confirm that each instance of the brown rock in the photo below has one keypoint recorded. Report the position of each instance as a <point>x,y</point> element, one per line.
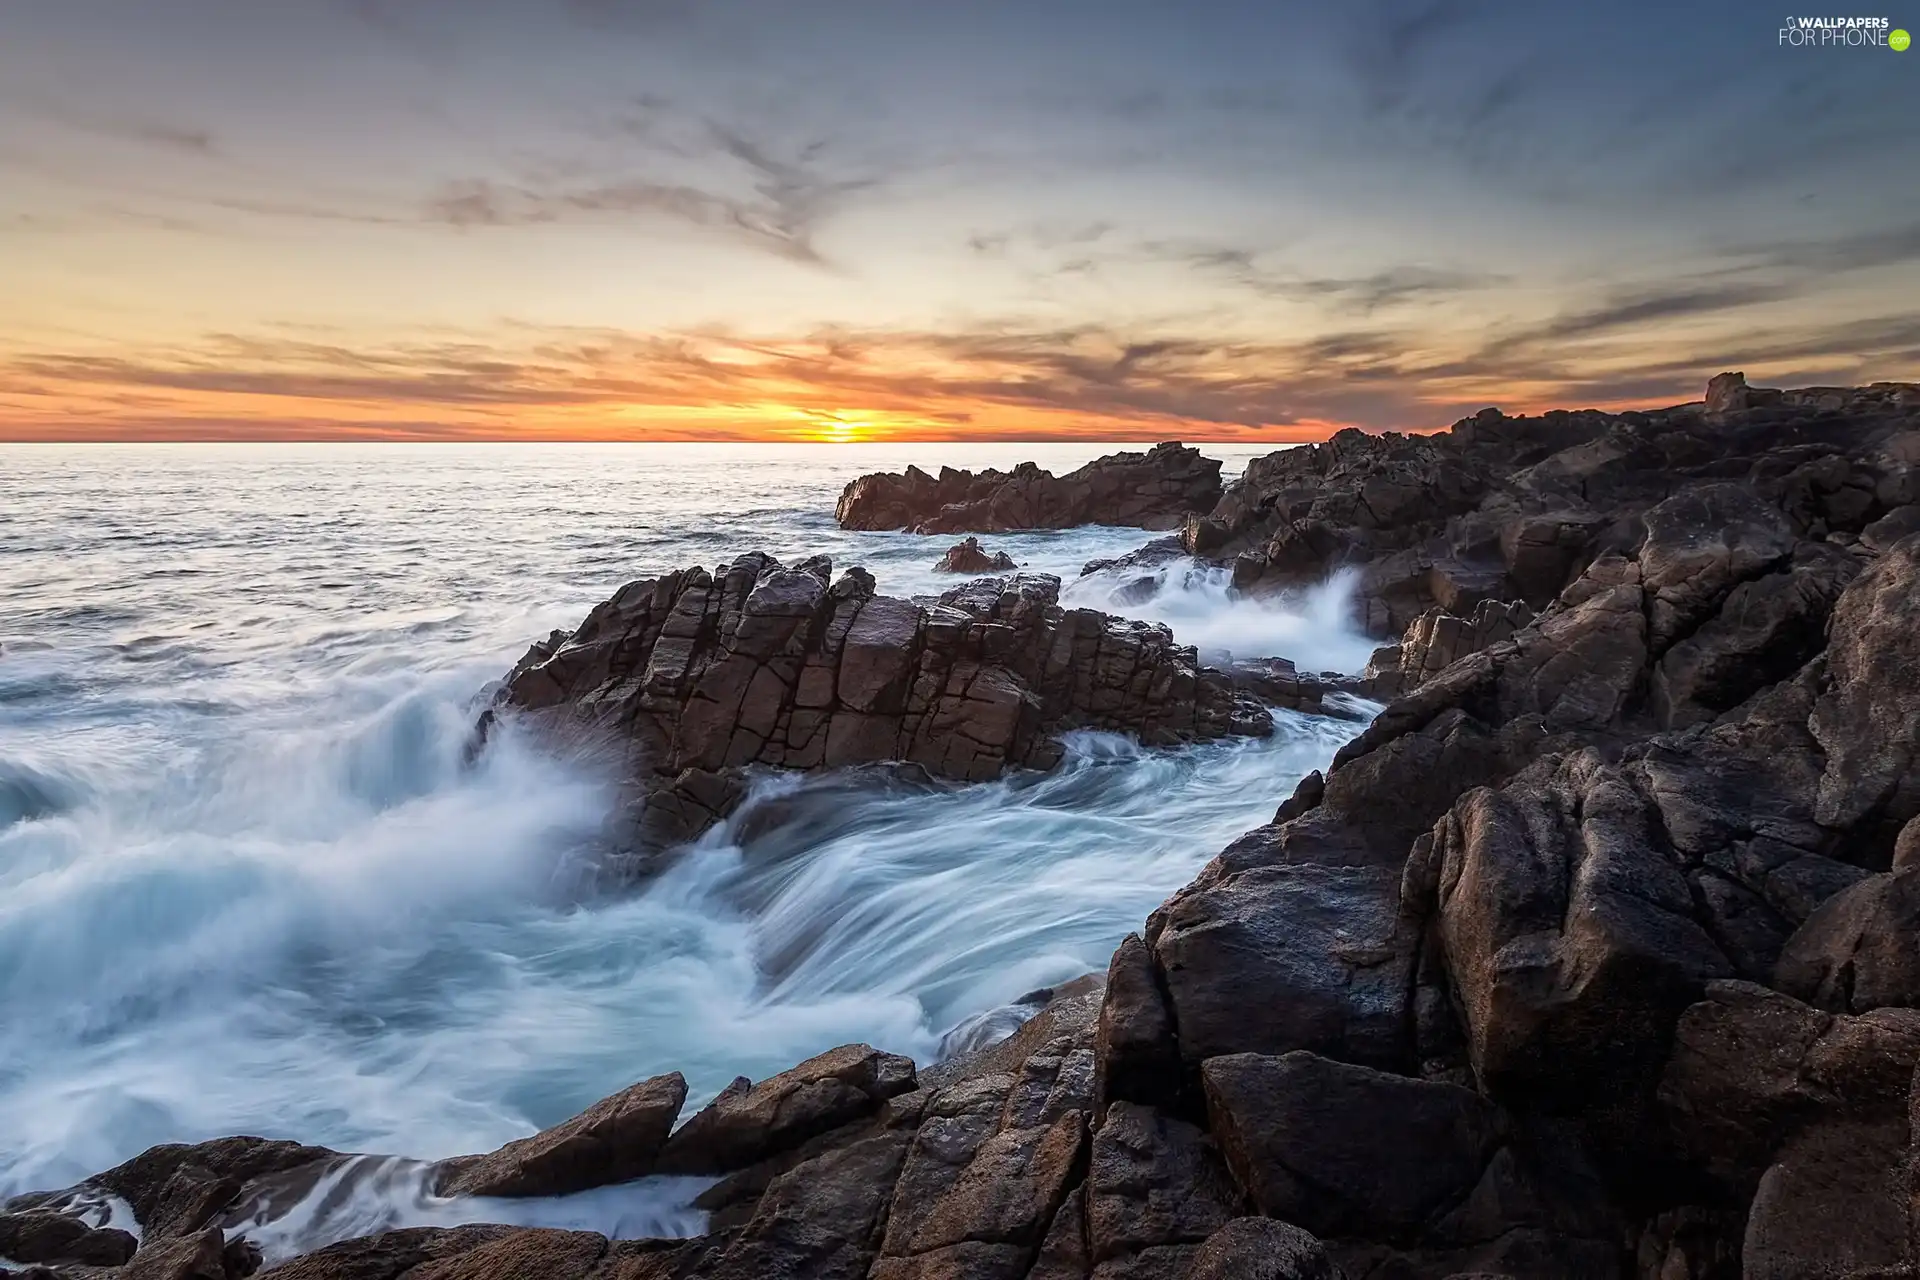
<point>1290,957</point>
<point>177,1189</point>
<point>696,677</point>
<point>195,1256</point>
<point>616,1140</point>
<point>1261,1249</point>
<point>1138,1058</point>
<point>1153,1181</point>
<point>967,556</point>
<point>38,1236</point>
<point>1153,490</point>
<point>1344,1150</point>
<point>1860,949</point>
<point>740,1128</point>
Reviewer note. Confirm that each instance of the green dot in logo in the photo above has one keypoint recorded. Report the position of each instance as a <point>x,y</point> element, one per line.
<point>1899,40</point>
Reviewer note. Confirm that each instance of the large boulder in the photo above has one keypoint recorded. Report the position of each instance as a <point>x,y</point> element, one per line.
<point>1152,490</point>
<point>693,676</point>
<point>1405,1176</point>
<point>1289,957</point>
<point>1805,1114</point>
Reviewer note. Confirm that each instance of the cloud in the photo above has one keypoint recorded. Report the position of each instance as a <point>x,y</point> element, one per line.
<point>743,188</point>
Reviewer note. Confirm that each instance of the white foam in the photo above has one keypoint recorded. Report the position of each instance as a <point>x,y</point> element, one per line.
<point>1313,627</point>
<point>365,1195</point>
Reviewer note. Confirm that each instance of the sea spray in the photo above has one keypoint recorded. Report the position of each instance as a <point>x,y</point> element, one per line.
<point>1313,627</point>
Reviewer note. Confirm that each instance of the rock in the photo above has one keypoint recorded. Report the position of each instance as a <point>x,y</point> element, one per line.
<point>992,1218</point>
<point>1261,1249</point>
<point>52,1237</point>
<point>1834,1204</point>
<point>1700,544</point>
<point>1513,508</point>
<point>1572,943</point>
<point>616,1140</point>
<point>177,1189</point>
<point>1345,1150</point>
<point>694,677</point>
<point>1138,1058</point>
<point>740,1128</point>
<point>441,1253</point>
<point>1727,392</point>
<point>1869,720</point>
<point>1766,629</point>
<point>1859,949</point>
<point>1752,1068</point>
<point>196,1256</point>
<point>1289,957</point>
<point>1153,490</point>
<point>1438,639</point>
<point>1153,1181</point>
<point>967,556</point>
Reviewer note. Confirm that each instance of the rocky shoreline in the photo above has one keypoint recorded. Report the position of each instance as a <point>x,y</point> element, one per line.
<point>1596,955</point>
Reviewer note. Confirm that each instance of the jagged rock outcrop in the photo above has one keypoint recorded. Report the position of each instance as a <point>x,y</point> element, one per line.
<point>694,676</point>
<point>1504,508</point>
<point>968,556</point>
<point>1152,490</point>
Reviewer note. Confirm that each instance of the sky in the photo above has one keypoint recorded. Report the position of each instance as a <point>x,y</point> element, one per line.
<point>1238,220</point>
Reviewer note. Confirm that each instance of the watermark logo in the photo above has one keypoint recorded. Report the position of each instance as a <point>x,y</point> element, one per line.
<point>1842,33</point>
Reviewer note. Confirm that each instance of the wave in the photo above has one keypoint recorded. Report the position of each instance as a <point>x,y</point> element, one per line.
<point>1312,627</point>
<point>341,935</point>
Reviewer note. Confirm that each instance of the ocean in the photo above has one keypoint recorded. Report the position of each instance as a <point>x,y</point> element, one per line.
<point>247,884</point>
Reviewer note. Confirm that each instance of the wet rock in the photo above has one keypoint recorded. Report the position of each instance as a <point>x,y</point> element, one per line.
<point>742,1127</point>
<point>615,1140</point>
<point>693,677</point>
<point>193,1256</point>
<point>416,1250</point>
<point>967,556</point>
<point>176,1189</point>
<point>53,1237</point>
<point>1153,490</point>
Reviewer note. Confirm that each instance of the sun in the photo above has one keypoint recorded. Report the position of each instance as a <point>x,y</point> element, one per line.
<point>841,426</point>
